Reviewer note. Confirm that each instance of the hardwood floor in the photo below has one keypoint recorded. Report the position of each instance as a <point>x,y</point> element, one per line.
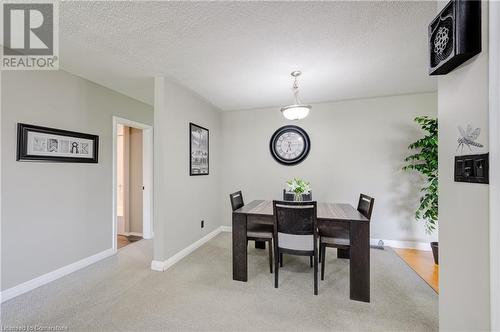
<point>422,263</point>
<point>122,241</point>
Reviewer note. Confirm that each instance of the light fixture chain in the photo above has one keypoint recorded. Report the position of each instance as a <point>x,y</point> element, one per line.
<point>295,90</point>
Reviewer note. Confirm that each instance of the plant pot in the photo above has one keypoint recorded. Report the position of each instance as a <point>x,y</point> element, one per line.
<point>298,197</point>
<point>435,252</point>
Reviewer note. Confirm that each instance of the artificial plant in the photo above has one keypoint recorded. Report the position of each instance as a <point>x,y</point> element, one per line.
<point>299,186</point>
<point>425,161</point>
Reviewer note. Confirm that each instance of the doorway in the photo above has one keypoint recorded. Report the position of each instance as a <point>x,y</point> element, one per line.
<point>132,182</point>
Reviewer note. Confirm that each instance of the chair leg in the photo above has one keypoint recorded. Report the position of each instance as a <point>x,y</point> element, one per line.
<point>270,256</point>
<point>316,272</point>
<point>311,261</point>
<point>276,266</point>
<point>319,254</point>
<point>323,254</point>
<point>281,259</point>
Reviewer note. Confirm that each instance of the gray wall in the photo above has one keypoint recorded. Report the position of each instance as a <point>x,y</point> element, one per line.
<point>135,181</point>
<point>54,214</point>
<point>182,201</point>
<point>357,146</point>
<point>463,208</point>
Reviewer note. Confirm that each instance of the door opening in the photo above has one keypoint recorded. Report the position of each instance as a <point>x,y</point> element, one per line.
<point>129,185</point>
<point>132,185</point>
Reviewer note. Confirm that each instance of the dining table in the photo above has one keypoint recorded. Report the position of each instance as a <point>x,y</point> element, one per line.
<point>332,219</point>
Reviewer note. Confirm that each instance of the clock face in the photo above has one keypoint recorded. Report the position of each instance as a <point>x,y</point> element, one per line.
<point>290,145</point>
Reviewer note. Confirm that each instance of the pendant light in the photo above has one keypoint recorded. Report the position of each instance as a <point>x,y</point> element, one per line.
<point>298,110</point>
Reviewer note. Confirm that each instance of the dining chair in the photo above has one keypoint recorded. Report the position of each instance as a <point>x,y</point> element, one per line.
<point>341,240</point>
<point>255,232</point>
<point>295,233</point>
<point>290,196</point>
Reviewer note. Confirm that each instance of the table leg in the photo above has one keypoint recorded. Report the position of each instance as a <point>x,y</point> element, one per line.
<point>260,245</point>
<point>360,261</point>
<point>343,253</point>
<point>240,247</point>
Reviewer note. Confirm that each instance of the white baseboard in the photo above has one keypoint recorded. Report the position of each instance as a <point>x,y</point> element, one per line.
<point>226,229</point>
<point>390,243</point>
<point>158,266</point>
<point>164,265</point>
<point>51,276</point>
<point>403,244</point>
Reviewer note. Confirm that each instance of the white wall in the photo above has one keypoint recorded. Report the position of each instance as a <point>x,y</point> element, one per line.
<point>182,201</point>
<point>357,146</point>
<point>463,208</point>
<point>54,214</point>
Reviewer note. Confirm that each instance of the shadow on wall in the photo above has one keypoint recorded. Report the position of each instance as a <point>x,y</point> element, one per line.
<point>404,196</point>
<point>405,200</point>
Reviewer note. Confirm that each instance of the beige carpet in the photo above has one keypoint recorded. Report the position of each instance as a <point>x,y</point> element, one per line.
<point>121,293</point>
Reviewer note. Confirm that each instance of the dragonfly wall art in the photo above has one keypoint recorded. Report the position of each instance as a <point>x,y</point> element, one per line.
<point>468,138</point>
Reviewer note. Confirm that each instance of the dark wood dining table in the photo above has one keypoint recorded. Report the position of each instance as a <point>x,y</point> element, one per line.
<point>333,218</point>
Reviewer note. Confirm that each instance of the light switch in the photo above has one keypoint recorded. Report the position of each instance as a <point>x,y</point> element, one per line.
<point>472,168</point>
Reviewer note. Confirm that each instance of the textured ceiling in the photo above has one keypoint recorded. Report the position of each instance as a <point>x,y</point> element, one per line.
<point>238,55</point>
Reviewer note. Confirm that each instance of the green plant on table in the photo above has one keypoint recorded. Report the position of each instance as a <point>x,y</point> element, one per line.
<point>299,186</point>
<point>425,161</point>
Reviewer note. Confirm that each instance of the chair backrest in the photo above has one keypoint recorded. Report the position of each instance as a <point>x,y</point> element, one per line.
<point>365,205</point>
<point>290,196</point>
<point>308,196</point>
<point>295,225</point>
<point>236,200</point>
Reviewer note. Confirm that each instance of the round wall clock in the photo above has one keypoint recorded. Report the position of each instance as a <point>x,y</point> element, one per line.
<point>290,145</point>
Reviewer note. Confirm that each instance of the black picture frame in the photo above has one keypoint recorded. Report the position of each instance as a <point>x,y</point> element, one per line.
<point>197,163</point>
<point>23,151</point>
<point>298,159</point>
<point>454,36</point>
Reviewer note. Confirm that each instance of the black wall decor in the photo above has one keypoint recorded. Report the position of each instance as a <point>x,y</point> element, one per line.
<point>472,168</point>
<point>198,150</point>
<point>454,36</point>
<point>290,145</point>
<point>35,143</point>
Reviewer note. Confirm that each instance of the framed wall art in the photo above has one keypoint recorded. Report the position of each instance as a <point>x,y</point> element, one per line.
<point>36,143</point>
<point>198,150</point>
<point>454,36</point>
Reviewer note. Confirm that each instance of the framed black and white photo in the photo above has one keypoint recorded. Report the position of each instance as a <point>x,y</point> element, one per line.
<point>198,150</point>
<point>35,143</point>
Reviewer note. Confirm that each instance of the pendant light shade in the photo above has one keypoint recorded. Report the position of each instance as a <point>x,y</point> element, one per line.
<point>298,110</point>
<point>295,112</point>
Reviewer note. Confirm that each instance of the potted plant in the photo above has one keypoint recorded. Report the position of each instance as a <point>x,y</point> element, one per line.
<point>425,161</point>
<point>298,187</point>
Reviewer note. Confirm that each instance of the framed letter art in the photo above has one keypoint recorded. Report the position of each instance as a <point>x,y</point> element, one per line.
<point>35,143</point>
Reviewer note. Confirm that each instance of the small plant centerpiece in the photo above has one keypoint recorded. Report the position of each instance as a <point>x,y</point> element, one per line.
<point>425,161</point>
<point>299,187</point>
